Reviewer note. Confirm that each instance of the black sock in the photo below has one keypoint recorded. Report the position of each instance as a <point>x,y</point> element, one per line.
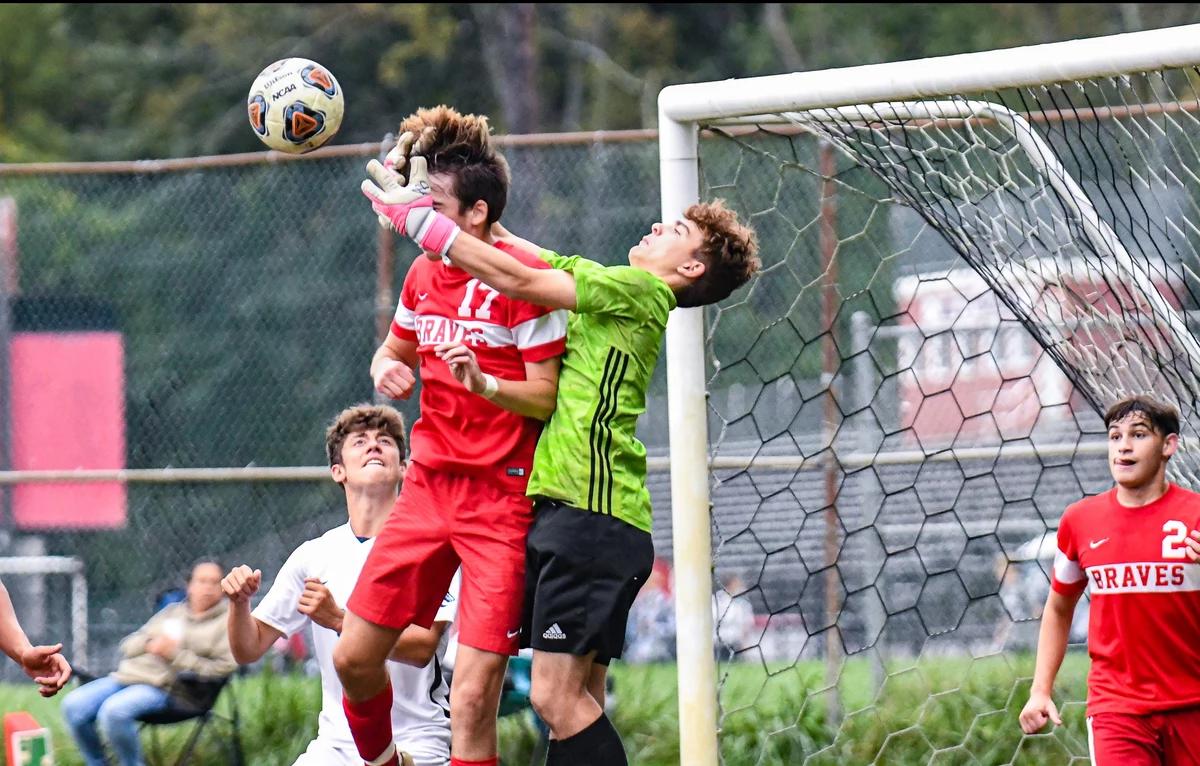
<point>597,745</point>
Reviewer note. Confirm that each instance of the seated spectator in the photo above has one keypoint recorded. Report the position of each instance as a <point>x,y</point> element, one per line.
<point>189,635</point>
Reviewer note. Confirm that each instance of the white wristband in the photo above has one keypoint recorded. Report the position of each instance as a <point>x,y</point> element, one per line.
<point>490,386</point>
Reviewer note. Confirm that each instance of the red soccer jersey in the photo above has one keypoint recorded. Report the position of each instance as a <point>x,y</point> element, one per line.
<point>459,431</point>
<point>1144,627</point>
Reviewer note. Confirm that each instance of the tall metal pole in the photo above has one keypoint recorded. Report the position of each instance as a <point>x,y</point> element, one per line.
<point>830,362</point>
<point>8,288</point>
<point>688,418</point>
<point>385,274</point>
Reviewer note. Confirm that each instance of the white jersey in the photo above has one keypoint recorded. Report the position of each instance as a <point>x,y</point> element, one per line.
<point>420,704</point>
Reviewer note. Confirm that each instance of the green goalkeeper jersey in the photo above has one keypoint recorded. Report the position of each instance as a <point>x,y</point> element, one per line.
<point>588,455</point>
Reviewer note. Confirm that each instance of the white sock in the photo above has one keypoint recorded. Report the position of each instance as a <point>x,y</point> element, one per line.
<point>387,756</point>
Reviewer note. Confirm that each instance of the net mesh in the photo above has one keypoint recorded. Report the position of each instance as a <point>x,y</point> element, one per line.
<point>905,401</point>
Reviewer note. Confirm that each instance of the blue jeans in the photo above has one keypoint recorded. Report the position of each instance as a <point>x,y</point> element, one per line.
<point>117,708</point>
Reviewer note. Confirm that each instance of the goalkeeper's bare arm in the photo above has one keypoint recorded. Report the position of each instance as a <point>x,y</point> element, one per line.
<point>702,257</point>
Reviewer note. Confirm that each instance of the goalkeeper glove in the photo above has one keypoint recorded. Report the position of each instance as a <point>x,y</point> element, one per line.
<point>409,208</point>
<point>397,159</point>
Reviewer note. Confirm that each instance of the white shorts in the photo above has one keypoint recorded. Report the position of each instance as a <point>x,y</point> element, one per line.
<point>322,753</point>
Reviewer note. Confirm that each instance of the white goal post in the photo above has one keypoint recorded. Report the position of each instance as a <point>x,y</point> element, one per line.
<point>873,90</point>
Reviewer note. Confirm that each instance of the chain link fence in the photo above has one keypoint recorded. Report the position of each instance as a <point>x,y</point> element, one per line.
<point>248,294</point>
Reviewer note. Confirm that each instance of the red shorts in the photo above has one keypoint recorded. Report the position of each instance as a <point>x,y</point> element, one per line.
<point>1158,739</point>
<point>441,520</point>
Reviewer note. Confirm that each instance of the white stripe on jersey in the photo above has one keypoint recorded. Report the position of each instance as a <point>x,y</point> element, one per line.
<point>1091,741</point>
<point>1143,577</point>
<point>1067,571</point>
<point>432,329</point>
<point>541,330</point>
<point>405,318</point>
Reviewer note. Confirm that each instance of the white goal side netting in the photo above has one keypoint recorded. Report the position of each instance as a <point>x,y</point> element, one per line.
<point>906,399</point>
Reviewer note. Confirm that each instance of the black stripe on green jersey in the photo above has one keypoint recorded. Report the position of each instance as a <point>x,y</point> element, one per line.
<point>608,426</point>
<point>600,480</point>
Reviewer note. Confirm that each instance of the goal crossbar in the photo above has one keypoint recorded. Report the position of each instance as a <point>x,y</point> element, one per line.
<point>929,78</point>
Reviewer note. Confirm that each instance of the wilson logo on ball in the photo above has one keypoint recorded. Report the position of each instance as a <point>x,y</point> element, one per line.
<point>258,113</point>
<point>301,123</point>
<point>319,78</point>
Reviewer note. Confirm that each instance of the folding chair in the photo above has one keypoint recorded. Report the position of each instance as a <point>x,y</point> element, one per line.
<point>193,697</point>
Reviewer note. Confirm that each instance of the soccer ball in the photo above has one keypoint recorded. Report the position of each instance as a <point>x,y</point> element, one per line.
<point>295,105</point>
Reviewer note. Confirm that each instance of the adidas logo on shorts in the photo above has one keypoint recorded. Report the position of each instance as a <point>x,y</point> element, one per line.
<point>554,632</point>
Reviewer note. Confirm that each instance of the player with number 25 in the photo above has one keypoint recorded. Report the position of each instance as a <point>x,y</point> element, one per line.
<point>1130,546</point>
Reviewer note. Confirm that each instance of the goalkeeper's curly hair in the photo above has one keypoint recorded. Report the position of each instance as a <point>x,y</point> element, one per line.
<point>460,145</point>
<point>729,252</point>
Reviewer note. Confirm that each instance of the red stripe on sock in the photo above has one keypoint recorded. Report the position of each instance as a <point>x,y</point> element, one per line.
<point>371,723</point>
<point>493,761</point>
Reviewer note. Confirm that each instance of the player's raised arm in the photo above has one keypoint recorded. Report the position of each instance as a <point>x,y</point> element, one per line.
<point>548,287</point>
<point>249,638</point>
<point>392,367</point>
<point>410,210</point>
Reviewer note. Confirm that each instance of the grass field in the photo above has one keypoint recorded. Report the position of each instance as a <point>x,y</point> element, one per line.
<point>942,711</point>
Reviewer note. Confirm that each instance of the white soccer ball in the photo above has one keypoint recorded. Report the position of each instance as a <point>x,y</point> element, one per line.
<point>295,105</point>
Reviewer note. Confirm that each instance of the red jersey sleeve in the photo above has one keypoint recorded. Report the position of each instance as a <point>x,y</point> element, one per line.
<point>1067,577</point>
<point>539,332</point>
<point>404,323</point>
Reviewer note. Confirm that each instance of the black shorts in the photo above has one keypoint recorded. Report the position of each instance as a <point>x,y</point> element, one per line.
<point>582,572</point>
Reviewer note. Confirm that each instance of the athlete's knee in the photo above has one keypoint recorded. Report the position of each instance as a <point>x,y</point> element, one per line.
<point>553,703</point>
<point>354,669</point>
<point>474,700</point>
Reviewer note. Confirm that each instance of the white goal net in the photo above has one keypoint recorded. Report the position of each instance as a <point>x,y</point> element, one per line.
<point>965,260</point>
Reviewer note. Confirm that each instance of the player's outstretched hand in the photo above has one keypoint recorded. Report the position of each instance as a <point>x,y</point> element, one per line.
<point>395,200</point>
<point>317,602</point>
<point>396,163</point>
<point>408,208</point>
<point>1039,709</point>
<point>241,584</point>
<point>393,378</point>
<point>463,365</point>
<point>1192,544</point>
<point>47,667</point>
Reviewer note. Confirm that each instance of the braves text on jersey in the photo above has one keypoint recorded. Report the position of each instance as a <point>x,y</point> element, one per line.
<point>458,431</point>
<point>1144,623</point>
